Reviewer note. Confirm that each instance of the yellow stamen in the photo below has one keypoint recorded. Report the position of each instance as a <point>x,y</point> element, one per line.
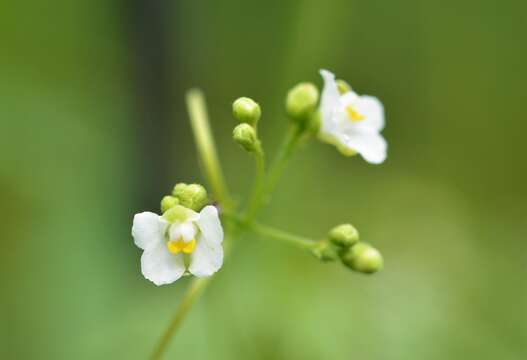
<point>353,115</point>
<point>177,246</point>
<point>189,247</point>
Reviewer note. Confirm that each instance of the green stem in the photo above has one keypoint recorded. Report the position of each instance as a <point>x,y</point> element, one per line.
<point>271,232</point>
<point>206,147</point>
<point>258,190</point>
<point>265,184</point>
<point>284,153</point>
<point>192,294</point>
<point>209,158</point>
<point>277,234</point>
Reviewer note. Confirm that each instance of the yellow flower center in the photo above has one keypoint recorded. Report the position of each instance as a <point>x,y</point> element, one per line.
<point>353,115</point>
<point>177,246</point>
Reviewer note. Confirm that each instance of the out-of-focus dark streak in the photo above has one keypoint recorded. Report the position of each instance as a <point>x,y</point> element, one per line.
<point>150,62</point>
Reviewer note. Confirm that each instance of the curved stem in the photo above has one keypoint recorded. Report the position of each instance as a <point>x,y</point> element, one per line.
<point>192,294</point>
<point>206,147</point>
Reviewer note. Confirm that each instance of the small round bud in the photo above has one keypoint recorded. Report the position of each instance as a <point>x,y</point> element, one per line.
<point>167,202</point>
<point>177,213</point>
<point>179,189</point>
<point>344,235</point>
<point>343,86</point>
<point>193,196</point>
<point>245,135</point>
<point>363,258</point>
<point>246,110</point>
<point>325,251</point>
<point>301,101</point>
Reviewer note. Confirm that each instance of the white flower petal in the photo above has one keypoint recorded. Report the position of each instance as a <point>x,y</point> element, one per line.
<point>330,96</point>
<point>192,216</point>
<point>160,266</point>
<point>373,112</point>
<point>370,145</point>
<point>174,232</point>
<point>210,225</point>
<point>185,230</point>
<point>206,259</point>
<point>352,136</point>
<point>148,229</point>
<point>349,98</point>
<point>188,231</point>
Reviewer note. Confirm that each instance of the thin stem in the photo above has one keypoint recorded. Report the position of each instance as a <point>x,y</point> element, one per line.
<point>264,185</point>
<point>206,147</point>
<point>192,294</point>
<point>258,190</point>
<point>282,158</point>
<point>271,232</point>
<point>209,158</point>
<point>278,234</point>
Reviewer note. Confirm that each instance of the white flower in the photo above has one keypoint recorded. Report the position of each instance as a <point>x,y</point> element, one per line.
<point>351,122</point>
<point>167,240</point>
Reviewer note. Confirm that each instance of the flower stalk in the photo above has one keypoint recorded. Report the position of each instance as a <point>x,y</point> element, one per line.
<point>281,235</point>
<point>206,146</point>
<point>195,289</point>
<point>284,154</point>
<point>266,182</point>
<point>259,183</point>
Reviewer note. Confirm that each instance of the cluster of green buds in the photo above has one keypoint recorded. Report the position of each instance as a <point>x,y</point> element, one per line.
<point>247,112</point>
<point>300,106</point>
<point>342,243</point>
<point>303,110</point>
<point>191,196</point>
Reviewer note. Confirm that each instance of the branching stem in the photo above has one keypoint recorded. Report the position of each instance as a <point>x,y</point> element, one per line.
<point>213,172</point>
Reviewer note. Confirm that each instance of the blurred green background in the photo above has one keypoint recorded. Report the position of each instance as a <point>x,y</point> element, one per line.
<point>93,129</point>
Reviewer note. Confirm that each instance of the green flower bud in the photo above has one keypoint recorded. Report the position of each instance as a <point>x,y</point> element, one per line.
<point>301,101</point>
<point>343,86</point>
<point>177,213</point>
<point>193,196</point>
<point>344,235</point>
<point>363,258</point>
<point>325,251</point>
<point>179,189</point>
<point>245,135</point>
<point>346,151</point>
<point>167,202</point>
<point>246,110</point>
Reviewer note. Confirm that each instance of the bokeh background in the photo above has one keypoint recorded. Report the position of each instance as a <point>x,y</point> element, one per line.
<point>93,129</point>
